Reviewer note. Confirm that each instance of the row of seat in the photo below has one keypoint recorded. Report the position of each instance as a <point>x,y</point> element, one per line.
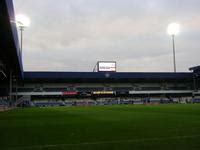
<point>111,101</point>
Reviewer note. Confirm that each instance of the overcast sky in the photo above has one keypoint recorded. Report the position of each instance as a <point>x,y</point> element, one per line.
<point>72,35</point>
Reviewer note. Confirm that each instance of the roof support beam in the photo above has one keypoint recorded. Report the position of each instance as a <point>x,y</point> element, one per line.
<point>2,72</point>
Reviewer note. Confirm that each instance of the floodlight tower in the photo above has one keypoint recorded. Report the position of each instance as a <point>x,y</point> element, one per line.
<point>22,22</point>
<point>173,29</point>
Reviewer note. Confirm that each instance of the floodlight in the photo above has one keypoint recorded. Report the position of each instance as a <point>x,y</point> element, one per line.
<point>173,29</point>
<point>22,21</point>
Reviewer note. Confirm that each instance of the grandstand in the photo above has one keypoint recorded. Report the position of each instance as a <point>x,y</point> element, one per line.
<point>119,86</point>
<point>124,123</point>
<point>83,88</point>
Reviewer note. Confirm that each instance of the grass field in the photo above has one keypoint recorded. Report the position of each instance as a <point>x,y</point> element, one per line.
<point>102,128</point>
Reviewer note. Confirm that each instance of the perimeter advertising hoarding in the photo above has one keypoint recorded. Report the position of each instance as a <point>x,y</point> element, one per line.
<point>102,92</point>
<point>107,66</point>
<point>69,93</point>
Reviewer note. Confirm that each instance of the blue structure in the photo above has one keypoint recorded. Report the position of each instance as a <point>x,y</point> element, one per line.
<point>104,76</point>
<point>10,56</point>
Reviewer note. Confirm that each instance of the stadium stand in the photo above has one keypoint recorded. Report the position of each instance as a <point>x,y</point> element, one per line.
<point>84,88</point>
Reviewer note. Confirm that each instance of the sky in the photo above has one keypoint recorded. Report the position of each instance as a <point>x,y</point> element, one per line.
<point>72,35</point>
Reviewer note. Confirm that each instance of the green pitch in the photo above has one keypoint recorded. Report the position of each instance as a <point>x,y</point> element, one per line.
<point>116,127</point>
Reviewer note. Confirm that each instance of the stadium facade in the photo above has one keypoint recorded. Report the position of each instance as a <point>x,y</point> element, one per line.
<point>36,88</point>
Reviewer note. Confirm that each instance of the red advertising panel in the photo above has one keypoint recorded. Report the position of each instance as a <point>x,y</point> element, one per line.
<point>69,93</point>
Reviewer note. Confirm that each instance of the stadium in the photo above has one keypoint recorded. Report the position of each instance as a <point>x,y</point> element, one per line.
<point>114,110</point>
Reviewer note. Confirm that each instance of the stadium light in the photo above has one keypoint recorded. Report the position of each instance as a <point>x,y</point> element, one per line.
<point>22,22</point>
<point>173,29</point>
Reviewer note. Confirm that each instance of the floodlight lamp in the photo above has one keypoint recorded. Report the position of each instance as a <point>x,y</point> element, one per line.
<point>22,21</point>
<point>173,29</point>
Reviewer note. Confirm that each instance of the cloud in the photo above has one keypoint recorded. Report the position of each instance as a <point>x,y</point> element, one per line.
<point>73,35</point>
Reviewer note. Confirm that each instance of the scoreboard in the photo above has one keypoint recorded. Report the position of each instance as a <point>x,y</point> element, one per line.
<point>106,66</point>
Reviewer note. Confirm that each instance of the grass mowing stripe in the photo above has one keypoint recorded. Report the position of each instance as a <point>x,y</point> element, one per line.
<point>108,142</point>
<point>101,127</point>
